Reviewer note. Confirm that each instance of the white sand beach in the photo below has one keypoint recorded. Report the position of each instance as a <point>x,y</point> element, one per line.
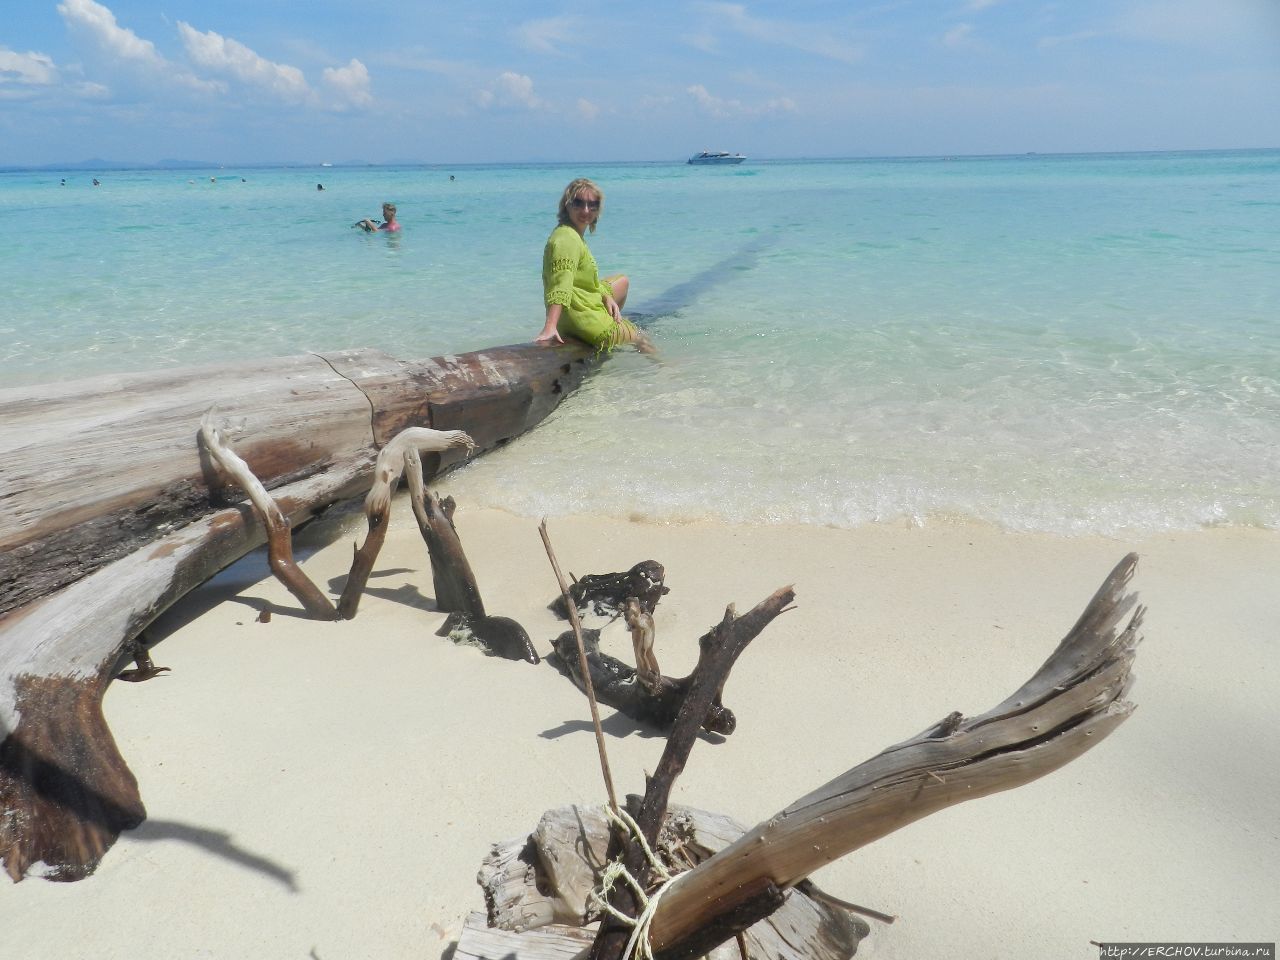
<point>327,790</point>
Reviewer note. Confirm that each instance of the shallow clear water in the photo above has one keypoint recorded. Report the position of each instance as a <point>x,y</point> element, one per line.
<point>1070,344</point>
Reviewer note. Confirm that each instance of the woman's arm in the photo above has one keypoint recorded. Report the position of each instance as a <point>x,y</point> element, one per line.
<point>549,331</point>
<point>611,305</point>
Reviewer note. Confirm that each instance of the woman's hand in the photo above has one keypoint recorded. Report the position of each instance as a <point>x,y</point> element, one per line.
<point>549,332</point>
<point>611,305</point>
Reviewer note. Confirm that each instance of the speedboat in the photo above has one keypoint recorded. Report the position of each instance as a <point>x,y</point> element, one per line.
<point>717,156</point>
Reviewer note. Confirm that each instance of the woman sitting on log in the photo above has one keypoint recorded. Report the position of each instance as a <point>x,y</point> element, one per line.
<point>580,304</point>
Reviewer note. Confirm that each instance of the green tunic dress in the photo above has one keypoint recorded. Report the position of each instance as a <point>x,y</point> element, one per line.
<point>570,278</point>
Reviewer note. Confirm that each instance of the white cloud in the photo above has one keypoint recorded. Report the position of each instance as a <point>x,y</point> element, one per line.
<point>961,35</point>
<point>510,90</point>
<point>90,90</point>
<point>100,24</point>
<point>219,54</point>
<point>705,42</point>
<point>719,107</point>
<point>1193,23</point>
<point>1229,28</point>
<point>27,69</point>
<point>974,6</point>
<point>1045,43</point>
<point>587,110</point>
<point>122,46</point>
<point>350,83</point>
<point>549,35</point>
<point>808,38</point>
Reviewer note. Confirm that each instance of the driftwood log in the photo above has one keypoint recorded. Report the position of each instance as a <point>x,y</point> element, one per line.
<point>402,455</point>
<point>652,700</point>
<point>552,876</point>
<point>110,511</point>
<point>455,585</point>
<point>279,533</point>
<point>605,594</point>
<point>718,650</point>
<point>1068,706</point>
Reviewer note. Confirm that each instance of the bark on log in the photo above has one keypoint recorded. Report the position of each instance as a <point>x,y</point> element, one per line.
<point>131,515</point>
<point>57,656</point>
<point>128,464</point>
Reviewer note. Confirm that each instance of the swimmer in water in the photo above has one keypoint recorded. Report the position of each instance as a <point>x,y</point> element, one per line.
<point>389,222</point>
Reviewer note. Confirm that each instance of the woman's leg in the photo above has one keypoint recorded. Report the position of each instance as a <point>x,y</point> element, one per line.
<point>627,331</point>
<point>620,285</point>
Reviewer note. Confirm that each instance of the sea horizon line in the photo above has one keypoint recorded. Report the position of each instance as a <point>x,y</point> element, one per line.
<point>99,164</point>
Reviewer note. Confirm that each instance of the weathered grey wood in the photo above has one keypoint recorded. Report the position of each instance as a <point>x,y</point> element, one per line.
<point>547,877</point>
<point>1068,706</point>
<point>128,464</point>
<point>403,453</point>
<point>617,684</point>
<point>557,942</point>
<point>65,791</point>
<point>97,542</point>
<point>278,531</point>
<point>754,898</point>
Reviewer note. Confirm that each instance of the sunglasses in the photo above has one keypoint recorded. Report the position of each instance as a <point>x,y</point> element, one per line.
<point>585,204</point>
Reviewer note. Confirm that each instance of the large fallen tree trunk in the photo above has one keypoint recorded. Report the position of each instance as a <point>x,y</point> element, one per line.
<point>109,512</point>
<point>95,469</point>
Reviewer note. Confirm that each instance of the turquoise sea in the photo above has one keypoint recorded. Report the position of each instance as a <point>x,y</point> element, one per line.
<point>1086,343</point>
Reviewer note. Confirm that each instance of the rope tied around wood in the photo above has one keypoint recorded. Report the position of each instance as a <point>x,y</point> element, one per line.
<point>638,945</point>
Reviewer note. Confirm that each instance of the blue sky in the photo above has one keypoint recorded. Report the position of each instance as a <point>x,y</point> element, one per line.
<point>243,81</point>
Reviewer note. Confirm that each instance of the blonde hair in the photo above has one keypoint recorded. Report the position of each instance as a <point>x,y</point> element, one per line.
<point>389,208</point>
<point>571,193</point>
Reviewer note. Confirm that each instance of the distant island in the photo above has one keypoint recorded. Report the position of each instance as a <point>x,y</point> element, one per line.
<point>97,164</point>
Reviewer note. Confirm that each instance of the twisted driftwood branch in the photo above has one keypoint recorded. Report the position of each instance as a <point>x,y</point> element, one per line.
<point>404,451</point>
<point>272,518</point>
<point>455,585</point>
<point>719,650</point>
<point>1071,703</point>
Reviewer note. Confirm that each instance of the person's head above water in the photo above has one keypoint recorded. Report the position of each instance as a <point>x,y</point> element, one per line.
<point>388,211</point>
<point>583,198</point>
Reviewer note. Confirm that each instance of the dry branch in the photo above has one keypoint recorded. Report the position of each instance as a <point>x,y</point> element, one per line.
<point>605,594</point>
<point>718,651</point>
<point>619,685</point>
<point>403,452</point>
<point>456,590</point>
<point>1068,706</point>
<point>269,514</point>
